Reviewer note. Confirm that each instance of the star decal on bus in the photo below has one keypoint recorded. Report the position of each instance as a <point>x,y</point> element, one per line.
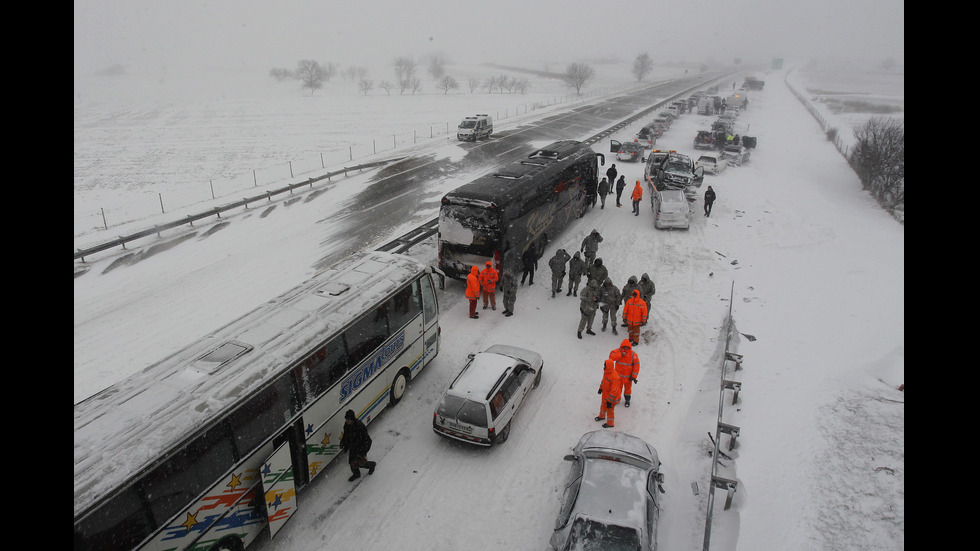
<point>236,481</point>
<point>276,502</point>
<point>190,522</point>
<point>326,439</point>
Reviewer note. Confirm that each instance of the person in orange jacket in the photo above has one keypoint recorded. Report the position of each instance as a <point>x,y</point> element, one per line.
<point>473,290</point>
<point>611,389</point>
<point>628,367</point>
<point>637,197</point>
<point>488,285</point>
<point>635,315</point>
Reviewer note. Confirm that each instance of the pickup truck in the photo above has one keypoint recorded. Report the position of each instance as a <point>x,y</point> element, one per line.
<point>711,163</point>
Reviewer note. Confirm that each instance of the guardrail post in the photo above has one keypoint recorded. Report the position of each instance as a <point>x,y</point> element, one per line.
<point>732,431</point>
<point>735,386</point>
<point>728,485</point>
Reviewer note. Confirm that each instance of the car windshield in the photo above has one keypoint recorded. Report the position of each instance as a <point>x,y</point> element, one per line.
<point>674,166</point>
<point>467,124</point>
<point>590,535</point>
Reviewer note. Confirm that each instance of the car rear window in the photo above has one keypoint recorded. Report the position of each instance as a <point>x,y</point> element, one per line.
<point>593,535</point>
<point>463,410</point>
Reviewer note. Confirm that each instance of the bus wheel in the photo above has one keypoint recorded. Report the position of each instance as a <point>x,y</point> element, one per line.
<point>228,544</point>
<point>398,387</point>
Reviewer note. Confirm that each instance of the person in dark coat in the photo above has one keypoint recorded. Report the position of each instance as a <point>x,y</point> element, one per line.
<point>588,304</point>
<point>530,262</point>
<point>596,272</point>
<point>609,301</point>
<point>590,246</point>
<point>709,199</point>
<point>356,442</point>
<point>576,269</point>
<point>557,264</point>
<point>647,289</point>
<point>612,172</point>
<point>508,285</point>
<point>620,186</point>
<point>591,193</point>
<point>604,188</point>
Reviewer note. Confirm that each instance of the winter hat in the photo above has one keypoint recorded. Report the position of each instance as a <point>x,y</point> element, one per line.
<point>598,262</point>
<point>349,415</point>
<point>626,343</point>
<point>577,254</point>
<point>489,263</point>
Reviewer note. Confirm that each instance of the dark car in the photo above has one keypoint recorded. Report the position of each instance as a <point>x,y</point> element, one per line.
<point>611,499</point>
<point>704,140</point>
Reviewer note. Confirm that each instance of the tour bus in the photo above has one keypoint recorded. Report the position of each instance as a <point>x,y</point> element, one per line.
<point>207,449</point>
<point>500,216</point>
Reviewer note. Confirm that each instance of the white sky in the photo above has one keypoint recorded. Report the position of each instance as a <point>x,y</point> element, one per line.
<point>181,34</point>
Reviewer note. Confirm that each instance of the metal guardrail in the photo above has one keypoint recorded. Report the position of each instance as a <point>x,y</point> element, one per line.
<point>121,241</point>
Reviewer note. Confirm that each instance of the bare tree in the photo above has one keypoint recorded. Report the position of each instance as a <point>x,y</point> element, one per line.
<point>405,69</point>
<point>364,85</point>
<point>490,83</point>
<point>310,73</point>
<point>522,85</point>
<point>437,66</point>
<point>473,83</point>
<point>448,83</point>
<point>415,85</point>
<point>502,83</point>
<point>879,160</point>
<point>642,66</point>
<point>386,86</point>
<point>350,73</point>
<point>577,74</point>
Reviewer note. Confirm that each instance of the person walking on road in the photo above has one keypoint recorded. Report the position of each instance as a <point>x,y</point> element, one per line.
<point>488,286</point>
<point>637,197</point>
<point>635,315</point>
<point>612,172</point>
<point>357,443</point>
<point>473,290</point>
<point>590,246</point>
<point>647,290</point>
<point>588,303</point>
<point>709,199</point>
<point>530,261</point>
<point>576,269</point>
<point>604,188</point>
<point>620,186</point>
<point>557,265</point>
<point>508,286</point>
<point>609,300</point>
<point>628,367</point>
<point>611,389</point>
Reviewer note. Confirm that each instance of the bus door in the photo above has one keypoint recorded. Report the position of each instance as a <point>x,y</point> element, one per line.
<point>278,485</point>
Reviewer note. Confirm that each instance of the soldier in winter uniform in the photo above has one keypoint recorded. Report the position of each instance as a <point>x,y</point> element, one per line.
<point>609,300</point>
<point>605,186</point>
<point>590,246</point>
<point>611,388</point>
<point>557,264</point>
<point>508,285</point>
<point>588,303</point>
<point>576,269</point>
<point>597,272</point>
<point>647,290</point>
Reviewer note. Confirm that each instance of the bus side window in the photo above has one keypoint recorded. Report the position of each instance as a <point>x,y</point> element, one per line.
<point>404,306</point>
<point>120,523</point>
<point>429,300</point>
<point>366,334</point>
<point>319,372</point>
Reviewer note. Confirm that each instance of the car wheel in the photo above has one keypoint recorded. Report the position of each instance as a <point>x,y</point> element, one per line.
<point>504,434</point>
<point>398,387</point>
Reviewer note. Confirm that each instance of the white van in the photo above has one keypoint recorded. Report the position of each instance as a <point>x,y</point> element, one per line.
<point>479,405</point>
<point>474,128</point>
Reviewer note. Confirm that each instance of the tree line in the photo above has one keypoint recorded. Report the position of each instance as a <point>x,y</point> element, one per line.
<point>313,75</point>
<point>878,158</point>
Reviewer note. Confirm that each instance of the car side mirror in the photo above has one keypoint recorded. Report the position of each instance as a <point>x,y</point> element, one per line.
<point>570,457</point>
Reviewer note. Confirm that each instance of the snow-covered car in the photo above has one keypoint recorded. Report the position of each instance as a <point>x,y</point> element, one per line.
<point>711,163</point>
<point>704,140</point>
<point>611,499</point>
<point>664,119</point>
<point>480,404</point>
<point>671,209</point>
<point>627,151</point>
<point>647,136</point>
<point>736,154</point>
<point>679,172</point>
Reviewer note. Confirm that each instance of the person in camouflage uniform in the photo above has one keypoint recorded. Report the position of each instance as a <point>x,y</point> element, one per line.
<point>647,289</point>
<point>557,264</point>
<point>576,269</point>
<point>609,301</point>
<point>508,285</point>
<point>588,304</point>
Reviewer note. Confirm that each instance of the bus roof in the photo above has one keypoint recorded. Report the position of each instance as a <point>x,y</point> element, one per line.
<point>511,182</point>
<point>128,426</point>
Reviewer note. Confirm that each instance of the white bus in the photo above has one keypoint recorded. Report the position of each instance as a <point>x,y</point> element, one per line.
<point>207,449</point>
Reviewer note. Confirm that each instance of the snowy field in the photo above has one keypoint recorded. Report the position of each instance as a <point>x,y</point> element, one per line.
<point>809,265</point>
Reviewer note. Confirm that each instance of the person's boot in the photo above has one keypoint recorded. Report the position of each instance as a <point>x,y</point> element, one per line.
<point>607,426</point>
<point>604,328</point>
<point>627,400</point>
<point>614,329</point>
<point>600,418</point>
<point>371,465</point>
<point>589,332</point>
<point>552,293</point>
<point>579,334</point>
<point>575,294</point>
<point>356,475</point>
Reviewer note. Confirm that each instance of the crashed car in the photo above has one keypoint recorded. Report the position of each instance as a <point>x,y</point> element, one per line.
<point>711,163</point>
<point>679,172</point>
<point>647,136</point>
<point>611,499</point>
<point>736,154</point>
<point>627,151</point>
<point>704,140</point>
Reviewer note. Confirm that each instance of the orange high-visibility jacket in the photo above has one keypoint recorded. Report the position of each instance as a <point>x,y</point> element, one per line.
<point>611,387</point>
<point>473,284</point>
<point>635,310</point>
<point>488,278</point>
<point>627,363</point>
<point>637,191</point>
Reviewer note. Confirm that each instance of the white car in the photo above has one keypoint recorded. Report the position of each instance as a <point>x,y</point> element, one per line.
<point>480,404</point>
<point>736,154</point>
<point>671,209</point>
<point>611,499</point>
<point>712,164</point>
